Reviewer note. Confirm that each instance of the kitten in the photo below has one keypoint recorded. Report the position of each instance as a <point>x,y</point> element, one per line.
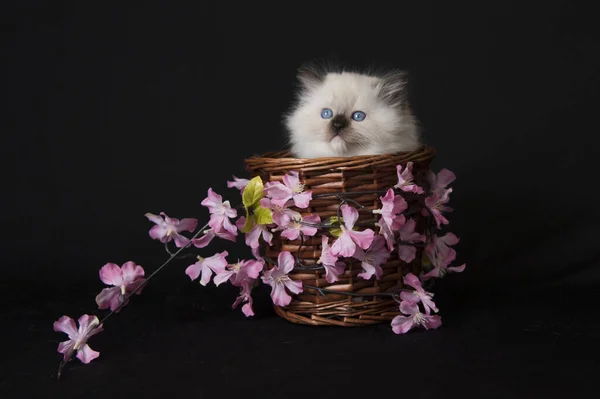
<point>342,113</point>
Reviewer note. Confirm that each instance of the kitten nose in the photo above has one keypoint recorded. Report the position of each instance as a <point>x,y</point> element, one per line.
<point>338,123</point>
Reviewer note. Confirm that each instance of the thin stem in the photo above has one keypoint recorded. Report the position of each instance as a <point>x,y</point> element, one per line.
<point>60,368</point>
<point>139,287</point>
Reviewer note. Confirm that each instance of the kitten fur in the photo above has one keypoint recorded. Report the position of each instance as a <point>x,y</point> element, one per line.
<point>389,125</point>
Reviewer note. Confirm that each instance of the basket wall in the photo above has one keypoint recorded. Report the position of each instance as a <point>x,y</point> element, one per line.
<point>346,175</point>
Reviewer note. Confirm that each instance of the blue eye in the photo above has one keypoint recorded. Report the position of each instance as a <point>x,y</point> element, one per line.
<point>326,113</point>
<point>359,116</point>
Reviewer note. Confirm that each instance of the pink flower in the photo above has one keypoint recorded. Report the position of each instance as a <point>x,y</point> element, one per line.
<point>440,246</point>
<point>373,258</point>
<point>440,264</point>
<point>210,234</point>
<point>253,236</point>
<point>207,266</point>
<point>436,205</point>
<point>418,295</point>
<point>240,184</point>
<point>405,179</point>
<point>294,227</point>
<point>245,297</point>
<point>124,280</point>
<point>220,212</point>
<point>346,243</point>
<point>239,272</point>
<point>78,337</point>
<point>333,267</point>
<point>392,205</point>
<point>279,280</point>
<point>290,189</point>
<point>439,182</point>
<point>406,231</point>
<point>169,228</point>
<point>281,214</point>
<point>414,318</point>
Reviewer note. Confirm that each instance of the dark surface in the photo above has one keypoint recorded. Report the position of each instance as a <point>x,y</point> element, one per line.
<point>114,111</point>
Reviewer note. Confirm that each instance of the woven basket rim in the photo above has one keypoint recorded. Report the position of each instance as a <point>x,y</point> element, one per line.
<point>282,160</point>
<point>285,155</point>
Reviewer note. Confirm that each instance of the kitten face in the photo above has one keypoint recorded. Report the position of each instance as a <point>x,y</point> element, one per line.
<point>347,114</point>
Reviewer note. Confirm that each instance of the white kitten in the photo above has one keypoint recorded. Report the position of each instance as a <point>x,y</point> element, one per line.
<point>339,114</point>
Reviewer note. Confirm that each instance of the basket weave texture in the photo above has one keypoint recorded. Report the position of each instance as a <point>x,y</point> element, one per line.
<point>345,175</point>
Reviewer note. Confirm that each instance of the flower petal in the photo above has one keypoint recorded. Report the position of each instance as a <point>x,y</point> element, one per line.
<point>193,271</point>
<point>66,325</point>
<point>109,297</point>
<point>180,241</point>
<point>155,219</point>
<point>206,238</point>
<point>66,348</point>
<point>343,246</point>
<point>294,286</point>
<point>402,324</point>
<point>362,238</point>
<point>279,296</point>
<point>350,216</point>
<point>285,262</point>
<point>131,272</point>
<point>302,200</point>
<point>432,322</point>
<point>291,180</point>
<point>111,274</point>
<point>187,224</point>
<point>87,354</point>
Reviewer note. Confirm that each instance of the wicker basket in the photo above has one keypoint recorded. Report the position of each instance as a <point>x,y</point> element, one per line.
<point>343,175</point>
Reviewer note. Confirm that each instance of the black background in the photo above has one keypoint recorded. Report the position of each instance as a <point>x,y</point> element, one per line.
<point>112,110</point>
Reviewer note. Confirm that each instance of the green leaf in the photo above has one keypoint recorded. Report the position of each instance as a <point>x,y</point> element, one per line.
<point>335,231</point>
<point>253,192</point>
<point>249,224</point>
<point>263,215</point>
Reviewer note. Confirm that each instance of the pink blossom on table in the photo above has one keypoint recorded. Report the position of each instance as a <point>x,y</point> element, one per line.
<point>333,267</point>
<point>245,297</point>
<point>372,259</point>
<point>291,188</point>
<point>406,180</point>
<point>209,235</point>
<point>237,273</point>
<point>124,280</point>
<point>436,205</point>
<point>413,318</point>
<point>277,277</point>
<point>441,264</point>
<point>78,337</point>
<point>438,182</point>
<point>440,246</point>
<point>295,227</point>
<point>281,214</point>
<point>220,212</point>
<point>240,184</point>
<point>408,236</point>
<point>345,245</point>
<point>168,229</point>
<point>206,266</point>
<point>418,295</point>
<point>253,236</point>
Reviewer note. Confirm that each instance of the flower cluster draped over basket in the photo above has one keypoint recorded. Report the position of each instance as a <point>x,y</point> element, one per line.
<point>340,241</point>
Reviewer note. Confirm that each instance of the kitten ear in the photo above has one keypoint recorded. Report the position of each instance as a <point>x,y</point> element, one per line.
<point>310,76</point>
<point>393,88</point>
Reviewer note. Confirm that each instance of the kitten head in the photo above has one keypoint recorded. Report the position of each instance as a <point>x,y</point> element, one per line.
<point>343,113</point>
